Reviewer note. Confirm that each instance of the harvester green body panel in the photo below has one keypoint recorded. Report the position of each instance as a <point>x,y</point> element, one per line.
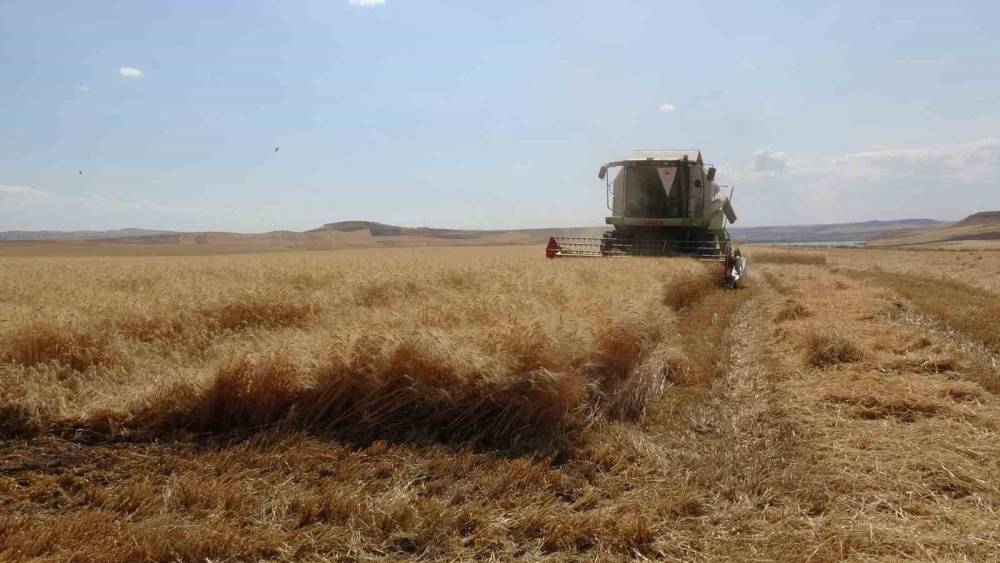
<point>663,202</point>
<point>666,195</point>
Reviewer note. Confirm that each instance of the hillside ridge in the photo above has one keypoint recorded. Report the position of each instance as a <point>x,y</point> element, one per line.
<point>982,228</point>
<point>862,230</point>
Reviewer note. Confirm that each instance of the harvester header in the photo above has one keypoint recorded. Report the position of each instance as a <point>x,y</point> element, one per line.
<point>662,203</point>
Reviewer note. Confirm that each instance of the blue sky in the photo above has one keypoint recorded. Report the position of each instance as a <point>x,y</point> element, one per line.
<point>487,114</point>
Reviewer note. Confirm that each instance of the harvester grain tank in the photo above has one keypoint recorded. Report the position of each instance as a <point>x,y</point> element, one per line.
<point>663,203</point>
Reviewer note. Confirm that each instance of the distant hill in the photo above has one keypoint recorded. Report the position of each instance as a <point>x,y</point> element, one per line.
<point>834,232</point>
<point>344,234</point>
<point>383,230</point>
<point>983,226</point>
<point>991,218</point>
<point>62,235</point>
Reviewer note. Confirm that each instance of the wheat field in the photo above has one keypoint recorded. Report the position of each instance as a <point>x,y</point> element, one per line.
<point>487,403</point>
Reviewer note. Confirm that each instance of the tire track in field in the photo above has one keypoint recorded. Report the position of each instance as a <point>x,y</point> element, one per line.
<point>905,447</point>
<point>751,454</point>
<point>966,317</point>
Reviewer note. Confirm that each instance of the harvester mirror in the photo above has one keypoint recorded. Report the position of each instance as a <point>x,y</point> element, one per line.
<point>603,173</point>
<point>711,174</point>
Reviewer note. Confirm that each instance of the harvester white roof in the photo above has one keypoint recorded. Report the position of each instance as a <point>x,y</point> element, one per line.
<point>658,154</point>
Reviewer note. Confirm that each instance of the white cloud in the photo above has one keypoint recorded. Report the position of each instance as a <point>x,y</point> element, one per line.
<point>941,182</point>
<point>667,108</point>
<point>367,3</point>
<point>129,72</point>
<point>84,88</point>
<point>22,192</point>
<point>767,161</point>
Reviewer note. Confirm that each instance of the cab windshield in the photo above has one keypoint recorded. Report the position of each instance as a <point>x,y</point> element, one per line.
<point>652,191</point>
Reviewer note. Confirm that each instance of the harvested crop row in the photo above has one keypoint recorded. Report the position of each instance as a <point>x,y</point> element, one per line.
<point>787,257</point>
<point>410,387</point>
<point>969,312</point>
<point>974,312</point>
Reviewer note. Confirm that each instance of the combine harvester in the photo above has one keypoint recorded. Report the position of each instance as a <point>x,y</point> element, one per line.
<point>663,203</point>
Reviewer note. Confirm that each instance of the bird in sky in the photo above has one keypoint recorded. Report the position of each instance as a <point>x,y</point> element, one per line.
<point>81,172</point>
<point>276,149</point>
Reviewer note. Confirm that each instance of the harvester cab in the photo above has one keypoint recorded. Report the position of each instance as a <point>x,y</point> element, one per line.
<point>663,203</point>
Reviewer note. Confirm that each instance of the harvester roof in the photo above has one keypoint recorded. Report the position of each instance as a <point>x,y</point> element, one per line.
<point>693,155</point>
